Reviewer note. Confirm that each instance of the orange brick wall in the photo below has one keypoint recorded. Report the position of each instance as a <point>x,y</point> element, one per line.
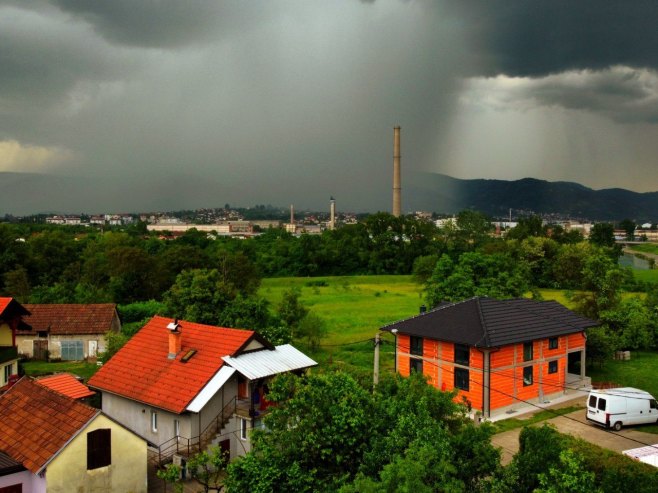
<point>507,365</point>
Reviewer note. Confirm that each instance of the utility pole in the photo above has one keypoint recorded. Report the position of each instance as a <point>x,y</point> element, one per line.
<point>375,373</point>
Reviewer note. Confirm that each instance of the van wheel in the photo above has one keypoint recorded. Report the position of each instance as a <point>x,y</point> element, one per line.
<point>617,426</point>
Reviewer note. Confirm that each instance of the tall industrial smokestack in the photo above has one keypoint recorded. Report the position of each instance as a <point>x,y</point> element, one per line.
<point>292,214</point>
<point>397,187</point>
<point>332,213</point>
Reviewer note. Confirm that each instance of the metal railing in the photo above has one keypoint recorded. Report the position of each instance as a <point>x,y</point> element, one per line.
<point>188,446</point>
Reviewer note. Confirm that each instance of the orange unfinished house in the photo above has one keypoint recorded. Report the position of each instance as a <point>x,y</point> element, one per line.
<point>497,353</point>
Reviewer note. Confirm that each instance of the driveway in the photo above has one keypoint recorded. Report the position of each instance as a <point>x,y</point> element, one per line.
<point>575,424</point>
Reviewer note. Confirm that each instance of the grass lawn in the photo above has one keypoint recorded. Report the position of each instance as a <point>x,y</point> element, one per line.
<point>538,417</point>
<point>646,275</point>
<point>645,248</point>
<point>640,372</point>
<point>354,307</point>
<point>79,368</point>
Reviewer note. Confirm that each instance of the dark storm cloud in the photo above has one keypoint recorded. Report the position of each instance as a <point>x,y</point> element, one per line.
<point>534,38</point>
<point>278,101</point>
<point>160,23</point>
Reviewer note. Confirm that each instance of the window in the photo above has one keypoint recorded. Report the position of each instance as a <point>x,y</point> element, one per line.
<point>552,366</point>
<point>416,365</point>
<point>592,401</point>
<point>72,351</point>
<point>154,421</point>
<point>416,345</point>
<point>527,351</point>
<point>602,403</point>
<point>552,343</point>
<point>462,378</point>
<point>462,354</point>
<point>243,429</point>
<point>653,404</point>
<point>99,448</point>
<point>527,376</point>
<point>8,372</point>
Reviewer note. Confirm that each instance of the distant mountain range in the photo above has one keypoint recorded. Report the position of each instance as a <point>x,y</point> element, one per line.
<point>441,193</point>
<point>22,193</point>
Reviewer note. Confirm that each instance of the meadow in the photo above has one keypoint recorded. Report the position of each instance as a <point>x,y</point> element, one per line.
<point>354,308</point>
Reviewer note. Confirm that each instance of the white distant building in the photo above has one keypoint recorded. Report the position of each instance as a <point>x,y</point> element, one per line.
<point>441,223</point>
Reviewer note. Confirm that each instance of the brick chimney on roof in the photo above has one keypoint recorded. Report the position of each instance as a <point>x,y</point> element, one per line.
<point>174,339</point>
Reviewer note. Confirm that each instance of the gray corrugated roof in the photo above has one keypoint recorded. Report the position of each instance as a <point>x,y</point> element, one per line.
<point>267,362</point>
<point>486,322</point>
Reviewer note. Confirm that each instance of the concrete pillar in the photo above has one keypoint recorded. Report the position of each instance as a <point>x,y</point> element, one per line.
<point>397,183</point>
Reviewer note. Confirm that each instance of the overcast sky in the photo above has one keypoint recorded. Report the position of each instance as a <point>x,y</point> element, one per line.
<point>208,102</point>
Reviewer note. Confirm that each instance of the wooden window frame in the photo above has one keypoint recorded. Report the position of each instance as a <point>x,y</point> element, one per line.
<point>553,343</point>
<point>528,351</point>
<point>528,381</point>
<point>462,348</point>
<point>552,367</point>
<point>99,448</point>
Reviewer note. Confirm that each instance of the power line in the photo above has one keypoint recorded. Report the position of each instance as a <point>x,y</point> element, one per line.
<point>502,373</point>
<point>549,410</point>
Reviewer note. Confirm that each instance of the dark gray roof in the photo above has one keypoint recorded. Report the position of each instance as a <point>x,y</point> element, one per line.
<point>9,465</point>
<point>486,322</point>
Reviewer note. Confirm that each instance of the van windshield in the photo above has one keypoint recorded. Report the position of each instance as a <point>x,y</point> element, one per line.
<point>601,406</point>
<point>654,404</point>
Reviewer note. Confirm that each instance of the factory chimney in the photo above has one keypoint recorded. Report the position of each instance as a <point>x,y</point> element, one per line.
<point>397,187</point>
<point>332,214</point>
<point>292,214</point>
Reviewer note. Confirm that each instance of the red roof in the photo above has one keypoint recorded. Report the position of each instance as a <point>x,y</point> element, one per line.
<point>142,371</point>
<point>66,384</point>
<point>70,319</point>
<point>38,422</point>
<point>17,308</point>
<point>4,303</point>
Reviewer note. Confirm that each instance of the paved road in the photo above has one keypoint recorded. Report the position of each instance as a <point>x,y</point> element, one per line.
<point>575,424</point>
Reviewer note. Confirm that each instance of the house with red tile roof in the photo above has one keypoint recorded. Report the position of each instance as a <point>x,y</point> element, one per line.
<point>183,385</point>
<point>12,314</point>
<point>497,354</point>
<point>50,442</point>
<point>67,384</point>
<point>66,331</point>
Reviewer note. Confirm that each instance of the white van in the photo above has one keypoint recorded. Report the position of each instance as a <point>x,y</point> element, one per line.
<point>614,408</point>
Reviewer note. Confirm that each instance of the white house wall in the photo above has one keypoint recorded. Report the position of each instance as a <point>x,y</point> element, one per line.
<point>137,417</point>
<point>25,344</point>
<point>30,482</point>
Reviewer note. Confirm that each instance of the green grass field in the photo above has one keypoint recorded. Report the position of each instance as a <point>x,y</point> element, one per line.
<point>79,368</point>
<point>645,248</point>
<point>354,308</point>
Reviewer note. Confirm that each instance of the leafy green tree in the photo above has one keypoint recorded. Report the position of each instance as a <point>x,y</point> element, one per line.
<point>198,295</point>
<point>629,228</point>
<point>602,234</point>
<point>312,329</point>
<point>312,441</point>
<point>236,270</point>
<point>327,432</point>
<point>423,267</point>
<point>526,227</point>
<point>208,468</point>
<point>633,323</point>
<point>290,309</point>
<point>602,282</point>
<point>476,274</point>
<point>17,284</point>
<point>570,476</point>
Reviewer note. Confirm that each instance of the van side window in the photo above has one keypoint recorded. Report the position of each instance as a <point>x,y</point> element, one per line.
<point>601,404</point>
<point>592,401</point>
<point>653,404</point>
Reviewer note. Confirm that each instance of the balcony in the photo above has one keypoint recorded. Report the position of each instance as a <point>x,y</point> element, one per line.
<point>8,353</point>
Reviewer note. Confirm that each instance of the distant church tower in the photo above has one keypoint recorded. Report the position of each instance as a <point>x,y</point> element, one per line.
<point>397,186</point>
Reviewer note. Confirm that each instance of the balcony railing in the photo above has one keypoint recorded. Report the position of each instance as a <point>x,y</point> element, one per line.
<point>8,353</point>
